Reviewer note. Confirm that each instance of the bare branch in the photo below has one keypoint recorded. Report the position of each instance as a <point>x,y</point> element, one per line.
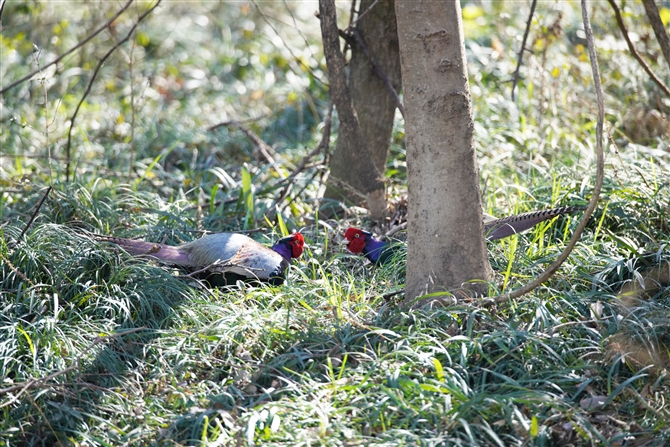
<point>262,147</point>
<point>90,85</point>
<point>523,46</point>
<point>296,58</point>
<point>2,7</point>
<point>360,40</point>
<point>231,122</point>
<point>549,272</point>
<point>631,48</point>
<point>79,45</point>
<point>323,145</point>
<point>353,23</point>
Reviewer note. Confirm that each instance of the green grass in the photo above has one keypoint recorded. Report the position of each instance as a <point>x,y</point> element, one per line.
<point>147,357</point>
<point>324,359</point>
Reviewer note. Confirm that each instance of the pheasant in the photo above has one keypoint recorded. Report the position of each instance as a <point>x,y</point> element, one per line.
<point>234,255</point>
<point>379,252</point>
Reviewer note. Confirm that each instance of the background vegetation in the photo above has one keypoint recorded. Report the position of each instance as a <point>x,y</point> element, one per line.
<point>98,348</point>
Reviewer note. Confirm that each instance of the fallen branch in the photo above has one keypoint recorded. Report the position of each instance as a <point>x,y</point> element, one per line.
<point>15,270</point>
<point>394,230</point>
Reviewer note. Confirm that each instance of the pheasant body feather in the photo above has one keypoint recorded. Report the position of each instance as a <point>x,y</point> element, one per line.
<point>225,253</point>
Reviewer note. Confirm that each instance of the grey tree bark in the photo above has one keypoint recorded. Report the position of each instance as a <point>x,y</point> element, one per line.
<point>446,247</point>
<point>374,106</point>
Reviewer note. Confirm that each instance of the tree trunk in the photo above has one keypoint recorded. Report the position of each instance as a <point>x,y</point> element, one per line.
<point>374,105</point>
<point>445,243</point>
<point>658,27</point>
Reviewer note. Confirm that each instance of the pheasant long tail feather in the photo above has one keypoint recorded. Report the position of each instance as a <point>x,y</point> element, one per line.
<point>162,252</point>
<point>508,226</point>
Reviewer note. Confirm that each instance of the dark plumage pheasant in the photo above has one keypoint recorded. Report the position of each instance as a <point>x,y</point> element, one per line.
<point>233,255</point>
<point>380,252</point>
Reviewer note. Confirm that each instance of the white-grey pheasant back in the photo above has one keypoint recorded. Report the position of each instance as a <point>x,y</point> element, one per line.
<point>233,255</point>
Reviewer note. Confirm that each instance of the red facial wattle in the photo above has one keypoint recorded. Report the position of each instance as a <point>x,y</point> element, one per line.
<point>297,245</point>
<point>357,244</point>
<point>356,240</point>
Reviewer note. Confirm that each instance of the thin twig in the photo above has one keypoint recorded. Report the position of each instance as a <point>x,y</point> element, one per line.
<point>352,13</point>
<point>642,401</point>
<point>90,85</point>
<point>297,28</point>
<point>133,143</point>
<point>549,272</point>
<point>360,40</point>
<point>34,156</point>
<point>353,23</point>
<point>79,45</point>
<point>552,330</point>
<point>307,183</point>
<point>323,144</point>
<point>353,319</point>
<point>32,218</point>
<point>262,147</point>
<point>523,47</point>
<point>244,121</point>
<point>43,381</point>
<point>296,58</point>
<point>633,51</point>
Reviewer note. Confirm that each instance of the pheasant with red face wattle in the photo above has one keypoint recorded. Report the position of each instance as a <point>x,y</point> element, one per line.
<point>380,252</point>
<point>233,255</point>
<point>362,242</point>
